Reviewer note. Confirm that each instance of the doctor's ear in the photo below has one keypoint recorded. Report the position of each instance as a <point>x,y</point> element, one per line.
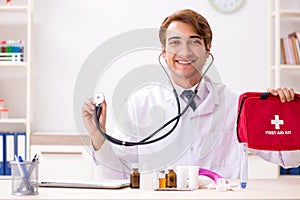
<point>208,49</point>
<point>163,54</point>
<point>207,54</point>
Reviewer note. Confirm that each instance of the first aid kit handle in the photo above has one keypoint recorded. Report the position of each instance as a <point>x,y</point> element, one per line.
<point>265,95</point>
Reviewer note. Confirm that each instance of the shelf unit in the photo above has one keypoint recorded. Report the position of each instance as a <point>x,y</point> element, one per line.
<point>26,120</point>
<point>275,15</point>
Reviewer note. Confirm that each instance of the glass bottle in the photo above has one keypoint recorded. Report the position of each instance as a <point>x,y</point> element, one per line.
<point>162,179</point>
<point>135,177</point>
<point>171,178</point>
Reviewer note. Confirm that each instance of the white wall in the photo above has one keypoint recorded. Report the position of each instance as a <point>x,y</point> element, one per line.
<point>67,31</point>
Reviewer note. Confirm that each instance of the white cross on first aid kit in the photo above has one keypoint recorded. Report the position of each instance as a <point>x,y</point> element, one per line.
<point>277,122</point>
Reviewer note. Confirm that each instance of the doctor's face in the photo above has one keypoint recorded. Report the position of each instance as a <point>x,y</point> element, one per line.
<point>184,52</point>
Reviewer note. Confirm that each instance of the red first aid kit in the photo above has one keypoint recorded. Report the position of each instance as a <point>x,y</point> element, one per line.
<point>265,123</point>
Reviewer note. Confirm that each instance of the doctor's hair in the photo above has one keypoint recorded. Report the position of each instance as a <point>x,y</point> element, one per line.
<point>188,16</point>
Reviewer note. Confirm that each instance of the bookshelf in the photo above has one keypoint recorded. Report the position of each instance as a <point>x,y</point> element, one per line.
<point>280,13</point>
<point>21,10</point>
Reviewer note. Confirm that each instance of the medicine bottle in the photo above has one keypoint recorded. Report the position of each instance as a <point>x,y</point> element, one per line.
<point>1,103</point>
<point>4,113</point>
<point>8,2</point>
<point>162,181</point>
<point>171,178</point>
<point>135,177</point>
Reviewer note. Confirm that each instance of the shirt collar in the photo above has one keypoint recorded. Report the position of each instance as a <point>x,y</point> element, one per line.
<point>206,95</point>
<point>202,91</point>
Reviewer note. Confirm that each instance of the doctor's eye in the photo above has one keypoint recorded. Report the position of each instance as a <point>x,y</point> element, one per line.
<point>195,43</point>
<point>173,43</point>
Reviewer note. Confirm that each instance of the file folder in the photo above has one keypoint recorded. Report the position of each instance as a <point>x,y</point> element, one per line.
<point>2,149</point>
<point>21,144</point>
<point>10,151</point>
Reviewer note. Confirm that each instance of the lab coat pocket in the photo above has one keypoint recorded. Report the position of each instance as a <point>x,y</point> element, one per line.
<point>225,151</point>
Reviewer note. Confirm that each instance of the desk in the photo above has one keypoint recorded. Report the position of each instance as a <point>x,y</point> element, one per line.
<point>281,188</point>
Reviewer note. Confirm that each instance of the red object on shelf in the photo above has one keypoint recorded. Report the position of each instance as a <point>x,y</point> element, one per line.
<point>8,2</point>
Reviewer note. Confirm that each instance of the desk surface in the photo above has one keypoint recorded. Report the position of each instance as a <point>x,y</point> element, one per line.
<point>281,188</point>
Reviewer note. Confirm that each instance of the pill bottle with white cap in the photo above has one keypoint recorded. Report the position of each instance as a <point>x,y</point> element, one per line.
<point>1,103</point>
<point>3,113</point>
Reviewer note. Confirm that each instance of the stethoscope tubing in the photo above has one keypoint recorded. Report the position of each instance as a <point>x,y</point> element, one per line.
<point>146,140</point>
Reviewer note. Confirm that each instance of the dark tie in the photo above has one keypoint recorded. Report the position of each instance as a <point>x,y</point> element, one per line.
<point>188,94</point>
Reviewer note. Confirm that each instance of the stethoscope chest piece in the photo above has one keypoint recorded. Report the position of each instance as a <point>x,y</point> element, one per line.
<point>98,98</point>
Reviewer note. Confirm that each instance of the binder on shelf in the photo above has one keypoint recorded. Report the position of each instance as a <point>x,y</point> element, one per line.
<point>21,144</point>
<point>10,151</point>
<point>290,171</point>
<point>2,166</point>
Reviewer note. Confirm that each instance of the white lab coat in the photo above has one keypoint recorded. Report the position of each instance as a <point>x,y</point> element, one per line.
<point>206,137</point>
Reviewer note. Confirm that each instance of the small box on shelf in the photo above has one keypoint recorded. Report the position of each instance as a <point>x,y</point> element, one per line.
<point>11,57</point>
<point>12,50</point>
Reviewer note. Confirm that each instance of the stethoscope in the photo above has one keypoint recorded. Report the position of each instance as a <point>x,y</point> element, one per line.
<point>99,98</point>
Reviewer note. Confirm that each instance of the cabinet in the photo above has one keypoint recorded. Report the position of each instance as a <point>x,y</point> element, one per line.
<point>260,169</point>
<point>15,76</point>
<point>63,162</point>
<point>283,19</point>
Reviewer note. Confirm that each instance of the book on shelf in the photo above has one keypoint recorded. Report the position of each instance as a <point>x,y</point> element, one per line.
<point>295,50</point>
<point>282,51</point>
<point>290,49</point>
<point>295,34</point>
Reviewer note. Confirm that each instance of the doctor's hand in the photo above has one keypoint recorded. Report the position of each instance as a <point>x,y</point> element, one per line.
<point>284,93</point>
<point>87,113</point>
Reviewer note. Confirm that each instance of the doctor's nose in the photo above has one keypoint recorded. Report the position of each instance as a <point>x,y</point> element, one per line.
<point>184,51</point>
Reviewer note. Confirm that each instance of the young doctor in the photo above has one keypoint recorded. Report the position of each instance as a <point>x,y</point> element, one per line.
<point>206,133</point>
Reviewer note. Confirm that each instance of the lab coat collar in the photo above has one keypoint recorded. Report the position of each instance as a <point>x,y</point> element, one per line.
<point>210,100</point>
